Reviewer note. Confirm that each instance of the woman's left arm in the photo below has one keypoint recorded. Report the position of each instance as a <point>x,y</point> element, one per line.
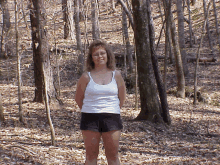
<point>121,88</point>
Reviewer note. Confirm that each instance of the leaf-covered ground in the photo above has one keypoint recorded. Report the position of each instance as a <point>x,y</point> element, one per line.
<point>192,138</point>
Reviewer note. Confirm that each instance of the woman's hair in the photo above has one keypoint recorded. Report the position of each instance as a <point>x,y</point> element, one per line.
<point>110,56</point>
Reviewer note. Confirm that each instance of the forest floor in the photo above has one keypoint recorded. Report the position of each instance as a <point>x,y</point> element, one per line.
<point>192,138</point>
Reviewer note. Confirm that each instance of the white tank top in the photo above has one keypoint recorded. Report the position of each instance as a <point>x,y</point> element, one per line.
<point>101,98</point>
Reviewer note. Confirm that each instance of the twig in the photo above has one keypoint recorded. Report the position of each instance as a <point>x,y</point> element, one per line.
<point>16,146</point>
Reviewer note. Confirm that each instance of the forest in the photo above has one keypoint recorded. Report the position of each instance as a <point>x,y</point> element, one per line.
<point>168,52</point>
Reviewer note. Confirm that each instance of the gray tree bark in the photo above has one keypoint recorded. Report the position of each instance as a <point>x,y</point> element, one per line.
<point>78,38</point>
<point>21,119</point>
<point>216,22</point>
<point>5,28</point>
<point>207,26</point>
<point>45,64</point>
<point>150,104</point>
<point>95,20</point>
<point>126,38</point>
<point>41,52</point>
<point>181,35</point>
<point>190,25</point>
<point>65,19</point>
<point>178,58</point>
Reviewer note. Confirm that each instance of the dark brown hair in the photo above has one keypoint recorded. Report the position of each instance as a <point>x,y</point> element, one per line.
<point>110,56</point>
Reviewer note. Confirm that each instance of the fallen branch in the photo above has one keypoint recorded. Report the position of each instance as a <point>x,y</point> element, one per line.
<point>204,60</point>
<point>16,146</point>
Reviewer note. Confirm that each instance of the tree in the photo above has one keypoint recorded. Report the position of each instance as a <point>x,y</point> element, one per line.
<point>190,23</point>
<point>21,119</point>
<point>178,59</point>
<point>44,56</point>
<point>65,18</point>
<point>41,52</point>
<point>78,38</point>
<point>127,42</point>
<point>181,34</point>
<point>95,20</point>
<point>208,26</point>
<point>216,23</point>
<point>150,105</point>
<point>6,26</point>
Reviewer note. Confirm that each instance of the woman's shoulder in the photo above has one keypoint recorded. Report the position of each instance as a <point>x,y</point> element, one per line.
<point>85,77</point>
<point>117,72</point>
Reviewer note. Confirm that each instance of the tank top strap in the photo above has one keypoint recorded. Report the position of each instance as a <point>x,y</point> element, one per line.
<point>113,74</point>
<point>89,75</point>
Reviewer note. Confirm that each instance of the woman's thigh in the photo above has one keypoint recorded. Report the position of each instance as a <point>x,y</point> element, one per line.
<point>111,142</point>
<point>91,140</point>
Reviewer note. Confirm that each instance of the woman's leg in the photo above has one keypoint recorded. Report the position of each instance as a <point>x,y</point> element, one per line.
<point>111,144</point>
<point>91,140</point>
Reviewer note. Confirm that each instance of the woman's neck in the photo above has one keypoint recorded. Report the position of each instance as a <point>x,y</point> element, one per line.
<point>101,68</point>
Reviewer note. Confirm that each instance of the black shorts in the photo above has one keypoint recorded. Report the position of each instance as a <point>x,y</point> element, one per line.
<point>100,122</point>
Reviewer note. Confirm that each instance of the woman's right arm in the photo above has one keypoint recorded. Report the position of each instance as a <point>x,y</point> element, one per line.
<point>80,89</point>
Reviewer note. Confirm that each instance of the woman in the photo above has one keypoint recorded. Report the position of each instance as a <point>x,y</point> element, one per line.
<point>100,94</point>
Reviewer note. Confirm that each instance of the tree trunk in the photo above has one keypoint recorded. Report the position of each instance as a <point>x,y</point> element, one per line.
<point>190,24</point>
<point>21,119</point>
<point>168,47</point>
<point>162,92</point>
<point>41,52</point>
<point>70,17</point>
<point>78,38</point>
<point>95,20</point>
<point>6,25</point>
<point>216,23</point>
<point>150,105</point>
<point>127,12</point>
<point>65,19</point>
<point>181,35</point>
<point>44,55</point>
<point>127,42</point>
<point>178,59</point>
<point>198,56</point>
<point>207,26</point>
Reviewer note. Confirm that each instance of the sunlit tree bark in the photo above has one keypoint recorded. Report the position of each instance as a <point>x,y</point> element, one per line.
<point>65,18</point>
<point>95,20</point>
<point>181,34</point>
<point>78,38</point>
<point>41,52</point>
<point>6,26</point>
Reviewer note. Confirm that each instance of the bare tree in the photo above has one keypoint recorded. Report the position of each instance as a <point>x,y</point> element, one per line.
<point>178,58</point>
<point>78,38</point>
<point>41,51</point>
<point>95,20</point>
<point>216,22</point>
<point>207,26</point>
<point>198,55</point>
<point>5,28</point>
<point>65,18</point>
<point>21,119</point>
<point>190,24</point>
<point>150,105</point>
<point>127,42</point>
<point>181,34</point>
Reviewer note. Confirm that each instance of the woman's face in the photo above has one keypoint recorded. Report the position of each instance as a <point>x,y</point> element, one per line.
<point>99,56</point>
